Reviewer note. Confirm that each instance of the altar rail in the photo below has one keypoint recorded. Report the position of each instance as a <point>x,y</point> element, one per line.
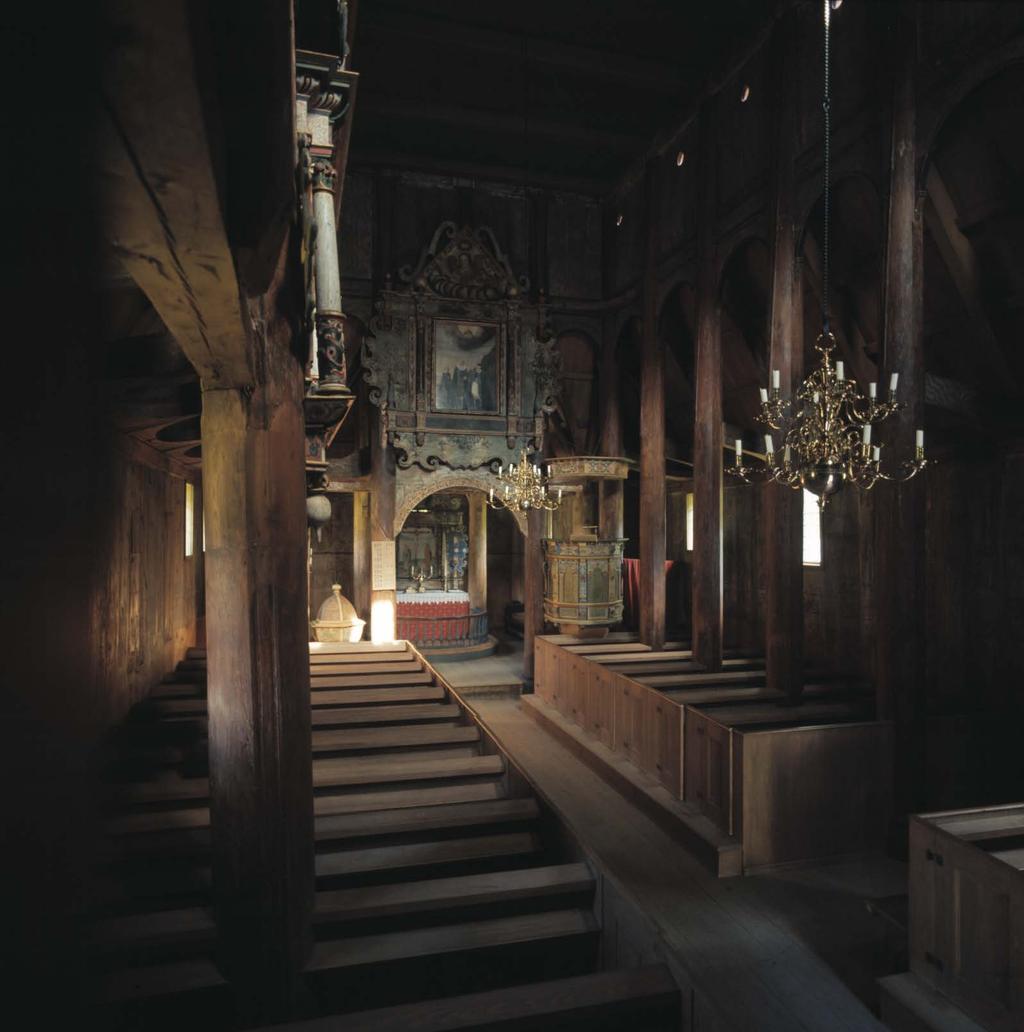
<point>723,742</point>
<point>443,631</point>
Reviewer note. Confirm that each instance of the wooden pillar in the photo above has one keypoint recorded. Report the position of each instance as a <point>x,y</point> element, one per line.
<point>900,513</point>
<point>382,528</point>
<point>533,590</point>
<point>477,580</point>
<point>361,555</point>
<point>652,441</point>
<point>707,434</point>
<point>782,555</point>
<point>611,496</point>
<point>261,793</point>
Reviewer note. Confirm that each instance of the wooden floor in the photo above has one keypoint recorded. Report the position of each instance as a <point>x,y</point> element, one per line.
<point>786,951</point>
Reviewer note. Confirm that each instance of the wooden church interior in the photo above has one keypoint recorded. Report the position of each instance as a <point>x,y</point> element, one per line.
<point>404,631</point>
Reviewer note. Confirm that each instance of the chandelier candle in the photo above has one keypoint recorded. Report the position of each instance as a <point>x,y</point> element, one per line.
<point>525,488</point>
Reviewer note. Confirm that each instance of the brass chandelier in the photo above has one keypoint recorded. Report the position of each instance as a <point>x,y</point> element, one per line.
<point>827,428</point>
<point>522,487</point>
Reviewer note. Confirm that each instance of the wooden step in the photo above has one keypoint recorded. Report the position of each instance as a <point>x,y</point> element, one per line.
<point>400,677</point>
<point>443,893</point>
<point>416,816</point>
<point>179,690</point>
<point>195,653</point>
<point>394,737</point>
<point>473,935</point>
<point>645,999</point>
<point>401,664</point>
<point>352,648</point>
<point>400,799</point>
<point>379,770</point>
<point>191,926</point>
<point>373,696</point>
<point>425,854</point>
<point>162,980</point>
<point>195,707</point>
<point>341,659</point>
<point>356,715</point>
<point>166,789</point>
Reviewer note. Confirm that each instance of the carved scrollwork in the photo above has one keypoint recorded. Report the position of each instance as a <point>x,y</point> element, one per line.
<point>546,367</point>
<point>464,264</point>
<point>330,334</point>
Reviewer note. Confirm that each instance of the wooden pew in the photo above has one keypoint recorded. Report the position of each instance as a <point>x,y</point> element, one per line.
<point>791,783</point>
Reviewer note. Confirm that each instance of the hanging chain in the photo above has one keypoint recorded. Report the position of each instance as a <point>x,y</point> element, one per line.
<point>826,228</point>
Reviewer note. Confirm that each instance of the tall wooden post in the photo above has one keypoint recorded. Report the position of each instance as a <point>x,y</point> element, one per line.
<point>261,792</point>
<point>611,501</point>
<point>361,555</point>
<point>477,579</point>
<point>533,590</point>
<point>382,529</point>
<point>652,441</point>
<point>782,557</point>
<point>899,515</point>
<point>707,434</point>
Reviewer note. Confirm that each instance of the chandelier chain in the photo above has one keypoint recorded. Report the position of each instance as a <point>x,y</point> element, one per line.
<point>826,105</point>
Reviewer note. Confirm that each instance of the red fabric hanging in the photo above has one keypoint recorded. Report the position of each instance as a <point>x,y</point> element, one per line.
<point>631,591</point>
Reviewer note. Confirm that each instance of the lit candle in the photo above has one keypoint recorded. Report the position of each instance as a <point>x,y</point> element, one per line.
<point>893,380</point>
<point>491,499</point>
<point>840,375</point>
<point>506,490</point>
<point>739,451</point>
<point>866,433</point>
<point>776,379</point>
<point>876,453</point>
<point>786,454</point>
<point>549,470</point>
<point>919,439</point>
<point>764,395</point>
<point>769,444</point>
<point>500,468</point>
<point>872,390</point>
<point>559,494</point>
<point>816,397</point>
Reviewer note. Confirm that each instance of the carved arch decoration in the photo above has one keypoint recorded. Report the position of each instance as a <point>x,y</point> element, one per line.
<point>417,489</point>
<point>458,358</point>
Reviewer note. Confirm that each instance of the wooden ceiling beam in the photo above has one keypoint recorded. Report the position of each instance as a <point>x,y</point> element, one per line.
<point>957,253</point>
<point>160,189</point>
<point>639,72</point>
<point>508,125</point>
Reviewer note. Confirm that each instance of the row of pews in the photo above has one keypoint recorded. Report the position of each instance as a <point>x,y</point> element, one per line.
<point>777,781</point>
<point>447,895</point>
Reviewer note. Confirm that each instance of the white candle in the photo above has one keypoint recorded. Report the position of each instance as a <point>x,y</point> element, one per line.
<point>491,499</point>
<point>840,375</point>
<point>500,468</point>
<point>769,444</point>
<point>776,379</point>
<point>919,439</point>
<point>739,451</point>
<point>816,397</point>
<point>866,433</point>
<point>764,394</point>
<point>872,390</point>
<point>786,454</point>
<point>506,490</point>
<point>549,469</point>
<point>876,453</point>
<point>559,494</point>
<point>893,380</point>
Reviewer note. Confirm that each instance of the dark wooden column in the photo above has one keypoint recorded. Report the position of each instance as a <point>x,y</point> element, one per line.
<point>382,528</point>
<point>707,434</point>
<point>652,440</point>
<point>782,558</point>
<point>533,590</point>
<point>900,512</point>
<point>361,555</point>
<point>261,793</point>
<point>610,516</point>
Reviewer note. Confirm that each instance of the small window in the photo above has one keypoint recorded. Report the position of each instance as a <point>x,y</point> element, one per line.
<point>812,530</point>
<point>190,520</point>
<point>689,522</point>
